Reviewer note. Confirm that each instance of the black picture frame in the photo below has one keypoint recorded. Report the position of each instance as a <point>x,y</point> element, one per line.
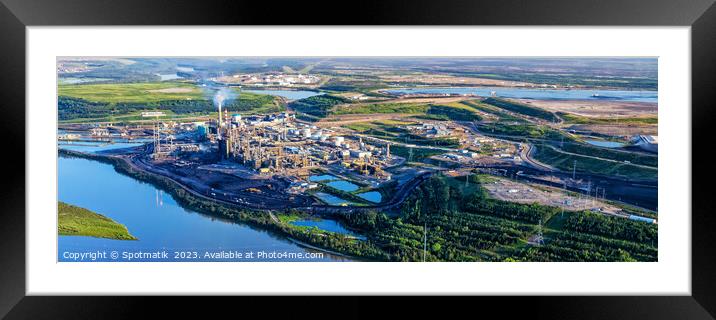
<point>15,15</point>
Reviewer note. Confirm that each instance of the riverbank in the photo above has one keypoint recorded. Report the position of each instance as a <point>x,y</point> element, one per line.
<point>259,219</point>
<point>77,221</point>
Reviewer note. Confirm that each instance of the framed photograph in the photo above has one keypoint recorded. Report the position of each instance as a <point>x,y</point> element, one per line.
<point>530,152</point>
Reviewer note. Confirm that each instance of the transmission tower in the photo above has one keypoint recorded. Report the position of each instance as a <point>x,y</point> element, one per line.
<point>574,170</point>
<point>156,136</point>
<point>425,239</point>
<point>539,239</point>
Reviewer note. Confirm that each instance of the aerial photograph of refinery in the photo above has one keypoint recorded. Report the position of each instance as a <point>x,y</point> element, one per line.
<point>331,159</point>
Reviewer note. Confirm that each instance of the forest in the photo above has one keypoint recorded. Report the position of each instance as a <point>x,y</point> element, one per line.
<point>317,106</point>
<point>456,220</point>
<point>75,108</point>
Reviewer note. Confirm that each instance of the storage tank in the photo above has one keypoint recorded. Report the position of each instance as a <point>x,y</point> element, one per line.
<point>201,130</point>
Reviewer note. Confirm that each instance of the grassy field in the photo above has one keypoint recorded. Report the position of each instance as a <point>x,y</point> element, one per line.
<point>76,221</point>
<point>107,102</point>
<point>381,108</point>
<point>564,161</point>
<point>633,157</point>
<point>523,131</point>
<point>522,109</point>
<point>447,111</point>
<point>577,119</point>
<point>453,111</point>
<point>490,109</point>
<point>377,125</point>
<point>131,92</point>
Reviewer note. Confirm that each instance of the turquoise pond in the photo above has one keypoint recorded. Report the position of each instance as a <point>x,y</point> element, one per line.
<point>542,94</point>
<point>605,144</point>
<point>288,94</point>
<point>168,76</point>
<point>372,196</point>
<point>323,177</point>
<point>331,199</point>
<point>343,185</point>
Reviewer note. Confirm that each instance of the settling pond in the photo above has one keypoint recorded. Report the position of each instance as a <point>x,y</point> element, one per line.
<point>343,185</point>
<point>540,94</point>
<point>605,144</point>
<point>331,199</point>
<point>288,94</point>
<point>372,196</point>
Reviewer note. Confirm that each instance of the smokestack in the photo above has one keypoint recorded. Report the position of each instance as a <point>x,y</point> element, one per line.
<point>218,124</point>
<point>220,96</point>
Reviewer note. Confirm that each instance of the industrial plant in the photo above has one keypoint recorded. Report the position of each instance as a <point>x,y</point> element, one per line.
<point>258,161</point>
<point>388,160</point>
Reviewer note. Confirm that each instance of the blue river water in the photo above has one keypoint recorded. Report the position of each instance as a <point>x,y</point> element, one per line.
<point>323,177</point>
<point>160,224</point>
<point>91,146</point>
<point>327,225</point>
<point>343,185</point>
<point>288,94</point>
<point>542,94</point>
<point>331,199</point>
<point>72,80</point>
<point>168,76</point>
<point>605,144</point>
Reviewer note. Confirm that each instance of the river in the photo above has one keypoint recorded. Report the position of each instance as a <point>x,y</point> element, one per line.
<point>539,94</point>
<point>159,223</point>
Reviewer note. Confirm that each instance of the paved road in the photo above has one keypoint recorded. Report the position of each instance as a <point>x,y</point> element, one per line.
<point>525,153</point>
<point>526,156</point>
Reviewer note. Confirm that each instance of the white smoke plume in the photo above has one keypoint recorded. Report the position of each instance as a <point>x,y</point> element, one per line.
<point>222,95</point>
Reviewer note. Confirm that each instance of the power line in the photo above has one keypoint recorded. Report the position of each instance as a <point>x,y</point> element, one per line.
<point>574,170</point>
<point>425,239</point>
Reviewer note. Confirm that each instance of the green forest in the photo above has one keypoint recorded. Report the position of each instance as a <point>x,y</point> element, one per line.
<point>101,101</point>
<point>464,224</point>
